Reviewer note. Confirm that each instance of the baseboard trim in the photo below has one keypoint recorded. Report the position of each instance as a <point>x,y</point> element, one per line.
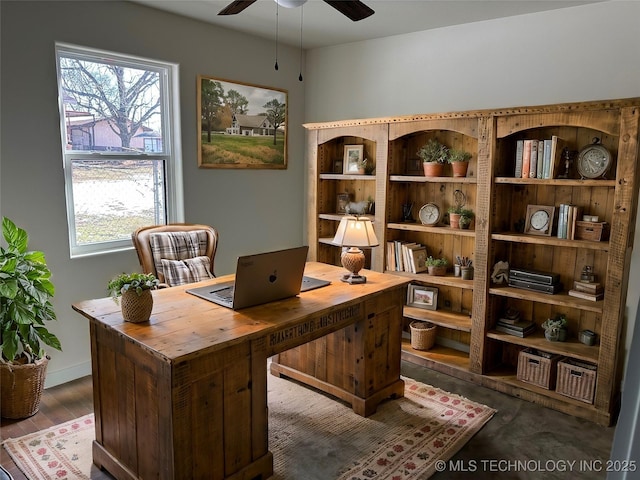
<point>65,375</point>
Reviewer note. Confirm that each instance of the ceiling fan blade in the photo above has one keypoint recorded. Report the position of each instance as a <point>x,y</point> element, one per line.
<point>235,7</point>
<point>354,9</point>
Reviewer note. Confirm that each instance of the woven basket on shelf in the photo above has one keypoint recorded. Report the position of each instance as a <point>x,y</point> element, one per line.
<point>423,335</point>
<point>136,308</point>
<point>21,388</point>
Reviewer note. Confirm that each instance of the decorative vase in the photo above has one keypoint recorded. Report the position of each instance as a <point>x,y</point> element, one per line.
<point>454,220</point>
<point>21,388</point>
<point>466,273</point>
<point>459,168</point>
<point>433,169</point>
<point>556,334</point>
<point>437,271</point>
<point>136,308</point>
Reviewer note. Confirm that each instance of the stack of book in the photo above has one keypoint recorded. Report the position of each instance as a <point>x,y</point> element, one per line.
<point>538,158</point>
<point>534,280</point>
<point>406,256</point>
<point>515,326</point>
<point>568,215</point>
<point>587,290</point>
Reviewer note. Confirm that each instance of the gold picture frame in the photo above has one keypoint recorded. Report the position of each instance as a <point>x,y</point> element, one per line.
<point>539,220</point>
<point>241,125</point>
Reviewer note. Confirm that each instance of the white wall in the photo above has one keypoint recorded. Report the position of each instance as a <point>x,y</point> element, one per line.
<point>577,54</point>
<point>253,210</point>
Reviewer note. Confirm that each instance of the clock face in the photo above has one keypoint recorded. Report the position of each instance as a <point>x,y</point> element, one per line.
<point>540,220</point>
<point>593,161</point>
<point>429,214</point>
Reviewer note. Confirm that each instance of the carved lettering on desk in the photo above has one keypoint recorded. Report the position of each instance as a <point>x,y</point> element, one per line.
<point>328,321</point>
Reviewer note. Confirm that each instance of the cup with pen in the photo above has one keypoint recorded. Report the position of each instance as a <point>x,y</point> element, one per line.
<point>463,267</point>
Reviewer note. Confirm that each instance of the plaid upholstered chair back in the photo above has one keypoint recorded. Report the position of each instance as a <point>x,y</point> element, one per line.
<point>177,253</point>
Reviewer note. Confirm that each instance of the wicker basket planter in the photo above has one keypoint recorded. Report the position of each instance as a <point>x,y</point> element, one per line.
<point>423,335</point>
<point>136,308</point>
<point>21,388</point>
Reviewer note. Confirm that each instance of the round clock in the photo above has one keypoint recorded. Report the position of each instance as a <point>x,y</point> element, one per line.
<point>594,160</point>
<point>540,220</point>
<point>430,214</point>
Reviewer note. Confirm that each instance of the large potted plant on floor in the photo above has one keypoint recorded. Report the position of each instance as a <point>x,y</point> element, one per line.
<point>25,307</point>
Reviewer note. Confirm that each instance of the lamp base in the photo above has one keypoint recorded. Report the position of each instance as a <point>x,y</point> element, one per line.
<point>352,279</point>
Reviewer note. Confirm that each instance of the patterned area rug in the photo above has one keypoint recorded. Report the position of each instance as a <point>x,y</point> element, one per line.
<point>310,437</point>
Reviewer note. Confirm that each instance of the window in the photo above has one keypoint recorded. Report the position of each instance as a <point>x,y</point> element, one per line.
<point>118,123</point>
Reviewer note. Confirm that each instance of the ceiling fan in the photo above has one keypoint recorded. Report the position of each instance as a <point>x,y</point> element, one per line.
<point>353,9</point>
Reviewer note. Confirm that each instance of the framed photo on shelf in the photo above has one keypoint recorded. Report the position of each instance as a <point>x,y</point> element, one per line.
<point>342,200</point>
<point>353,156</point>
<point>337,166</point>
<point>251,135</point>
<point>414,167</point>
<point>422,297</point>
<point>539,220</point>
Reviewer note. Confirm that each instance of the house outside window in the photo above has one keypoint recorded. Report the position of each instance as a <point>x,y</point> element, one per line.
<point>119,131</point>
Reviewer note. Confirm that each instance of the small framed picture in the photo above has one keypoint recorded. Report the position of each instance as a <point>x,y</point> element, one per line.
<point>422,297</point>
<point>353,157</point>
<point>414,167</point>
<point>337,166</point>
<point>341,202</point>
<point>539,220</point>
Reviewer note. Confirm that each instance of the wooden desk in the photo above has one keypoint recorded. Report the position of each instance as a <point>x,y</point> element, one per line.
<point>185,396</point>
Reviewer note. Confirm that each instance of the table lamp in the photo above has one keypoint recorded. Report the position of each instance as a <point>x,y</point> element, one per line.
<point>354,232</point>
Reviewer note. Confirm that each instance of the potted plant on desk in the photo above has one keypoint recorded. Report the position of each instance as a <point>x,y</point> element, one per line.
<point>135,290</point>
<point>25,306</point>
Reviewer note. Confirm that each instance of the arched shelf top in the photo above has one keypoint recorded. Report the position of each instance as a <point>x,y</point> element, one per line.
<point>605,121</point>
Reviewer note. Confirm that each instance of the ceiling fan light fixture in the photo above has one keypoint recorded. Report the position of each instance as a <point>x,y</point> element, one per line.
<point>290,3</point>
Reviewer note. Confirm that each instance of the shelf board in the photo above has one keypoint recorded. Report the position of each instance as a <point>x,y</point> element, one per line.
<point>442,356</point>
<point>562,299</point>
<point>442,318</point>
<point>423,179</point>
<point>558,182</point>
<point>553,241</point>
<point>572,347</point>
<point>447,280</point>
<point>418,227</point>
<point>341,176</point>
<point>339,216</point>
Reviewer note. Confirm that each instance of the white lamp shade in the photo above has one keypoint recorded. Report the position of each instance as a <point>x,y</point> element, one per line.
<point>355,232</point>
<point>290,3</point>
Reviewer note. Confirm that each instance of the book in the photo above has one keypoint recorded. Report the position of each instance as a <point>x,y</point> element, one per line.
<point>417,255</point>
<point>546,168</point>
<point>533,159</point>
<point>540,164</point>
<point>557,146</point>
<point>518,325</point>
<point>594,297</point>
<point>526,158</point>
<point>562,221</point>
<point>519,150</point>
<point>515,333</point>
<point>589,287</point>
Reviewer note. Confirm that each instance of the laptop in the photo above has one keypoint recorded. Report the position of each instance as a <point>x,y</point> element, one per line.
<point>262,278</point>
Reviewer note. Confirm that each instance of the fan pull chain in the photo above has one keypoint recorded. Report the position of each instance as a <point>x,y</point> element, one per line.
<point>276,65</point>
<point>301,13</point>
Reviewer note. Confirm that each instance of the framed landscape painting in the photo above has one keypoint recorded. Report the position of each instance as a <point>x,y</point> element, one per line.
<point>241,125</point>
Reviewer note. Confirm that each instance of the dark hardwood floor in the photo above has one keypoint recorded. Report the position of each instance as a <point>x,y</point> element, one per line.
<point>59,404</point>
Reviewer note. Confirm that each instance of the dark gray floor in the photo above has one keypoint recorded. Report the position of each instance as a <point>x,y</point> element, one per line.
<point>523,440</point>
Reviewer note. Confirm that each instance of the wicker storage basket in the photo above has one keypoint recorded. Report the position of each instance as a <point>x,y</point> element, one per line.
<point>21,388</point>
<point>136,308</point>
<point>423,335</point>
<point>576,380</point>
<point>537,368</point>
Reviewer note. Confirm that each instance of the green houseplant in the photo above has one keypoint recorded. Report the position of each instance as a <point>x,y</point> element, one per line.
<point>434,155</point>
<point>459,160</point>
<point>135,291</point>
<point>436,266</point>
<point>25,306</point>
<point>555,329</point>
<point>460,217</point>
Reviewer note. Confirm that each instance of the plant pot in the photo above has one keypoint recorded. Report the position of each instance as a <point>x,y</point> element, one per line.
<point>464,223</point>
<point>459,168</point>
<point>433,169</point>
<point>555,334</point>
<point>21,388</point>
<point>136,308</point>
<point>454,220</point>
<point>437,271</point>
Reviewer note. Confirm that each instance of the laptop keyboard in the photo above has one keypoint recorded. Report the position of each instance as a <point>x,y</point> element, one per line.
<point>225,293</point>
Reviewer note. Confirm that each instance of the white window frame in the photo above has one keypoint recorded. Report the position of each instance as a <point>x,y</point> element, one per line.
<point>171,136</point>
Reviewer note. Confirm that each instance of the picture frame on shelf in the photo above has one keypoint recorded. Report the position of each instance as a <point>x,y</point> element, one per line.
<point>421,296</point>
<point>260,132</point>
<point>338,166</point>
<point>414,167</point>
<point>353,156</point>
<point>539,220</point>
<point>342,200</point>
